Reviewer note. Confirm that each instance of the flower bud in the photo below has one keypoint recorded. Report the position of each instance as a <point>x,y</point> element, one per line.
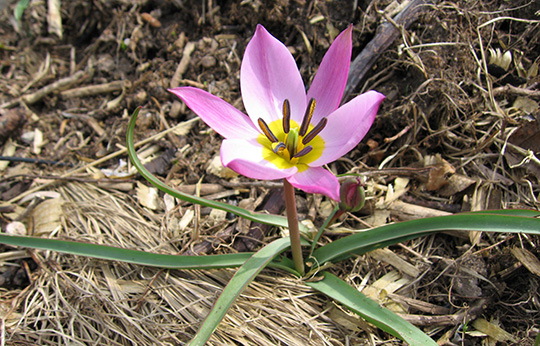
<point>352,195</point>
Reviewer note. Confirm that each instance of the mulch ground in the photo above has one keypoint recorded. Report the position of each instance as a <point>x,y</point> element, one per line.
<point>458,131</point>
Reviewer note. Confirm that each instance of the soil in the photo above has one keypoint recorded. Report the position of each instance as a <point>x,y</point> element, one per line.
<point>460,127</point>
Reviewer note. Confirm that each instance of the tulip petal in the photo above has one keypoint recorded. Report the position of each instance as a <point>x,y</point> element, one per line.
<point>316,180</point>
<point>347,126</point>
<point>245,157</point>
<point>268,76</point>
<point>330,80</point>
<point>216,113</point>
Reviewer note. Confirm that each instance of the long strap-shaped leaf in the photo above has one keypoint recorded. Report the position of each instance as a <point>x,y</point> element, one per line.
<point>372,312</point>
<point>245,274</point>
<point>275,220</point>
<point>503,221</point>
<point>140,257</point>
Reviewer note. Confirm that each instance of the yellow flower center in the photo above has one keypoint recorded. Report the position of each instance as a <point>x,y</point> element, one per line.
<point>287,144</point>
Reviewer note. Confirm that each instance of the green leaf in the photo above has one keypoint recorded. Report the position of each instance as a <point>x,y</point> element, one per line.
<point>268,219</point>
<point>19,9</point>
<point>369,310</point>
<point>245,274</point>
<point>139,257</point>
<point>503,221</point>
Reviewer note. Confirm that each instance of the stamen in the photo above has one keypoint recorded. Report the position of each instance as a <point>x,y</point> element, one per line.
<point>286,116</point>
<point>307,117</point>
<point>315,131</point>
<point>304,151</point>
<point>278,147</point>
<point>266,130</point>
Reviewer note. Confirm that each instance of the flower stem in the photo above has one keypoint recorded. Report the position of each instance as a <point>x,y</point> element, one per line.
<point>294,231</point>
<point>334,215</point>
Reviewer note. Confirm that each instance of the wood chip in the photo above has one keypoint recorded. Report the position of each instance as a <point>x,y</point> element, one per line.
<point>54,18</point>
<point>492,330</point>
<point>8,150</point>
<point>147,196</point>
<point>47,216</point>
<point>406,211</point>
<point>216,168</point>
<point>388,256</point>
<point>530,261</point>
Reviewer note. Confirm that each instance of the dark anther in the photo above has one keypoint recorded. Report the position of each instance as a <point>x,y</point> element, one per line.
<point>266,130</point>
<point>304,151</point>
<point>286,116</point>
<point>315,131</point>
<point>307,117</point>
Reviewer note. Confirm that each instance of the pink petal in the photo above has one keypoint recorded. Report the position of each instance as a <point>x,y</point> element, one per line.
<point>216,113</point>
<point>347,126</point>
<point>268,76</point>
<point>316,180</point>
<point>246,157</point>
<point>329,82</point>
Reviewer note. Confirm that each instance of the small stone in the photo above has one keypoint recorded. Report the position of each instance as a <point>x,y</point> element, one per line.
<point>208,61</point>
<point>16,228</point>
<point>140,97</point>
<point>28,137</point>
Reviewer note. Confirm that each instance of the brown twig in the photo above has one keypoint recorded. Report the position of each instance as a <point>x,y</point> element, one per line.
<point>449,320</point>
<point>48,89</point>
<point>510,89</point>
<point>386,34</point>
<point>94,89</point>
<point>183,65</point>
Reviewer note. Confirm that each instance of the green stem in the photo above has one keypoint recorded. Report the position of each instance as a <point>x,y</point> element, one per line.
<point>329,220</point>
<point>294,231</point>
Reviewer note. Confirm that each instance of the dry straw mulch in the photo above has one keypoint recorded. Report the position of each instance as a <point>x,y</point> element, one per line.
<point>76,300</point>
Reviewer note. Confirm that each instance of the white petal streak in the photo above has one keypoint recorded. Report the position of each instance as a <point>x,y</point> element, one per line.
<point>216,113</point>
<point>268,76</point>
<point>245,157</point>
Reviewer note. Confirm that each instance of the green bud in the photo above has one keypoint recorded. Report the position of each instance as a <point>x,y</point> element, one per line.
<point>352,195</point>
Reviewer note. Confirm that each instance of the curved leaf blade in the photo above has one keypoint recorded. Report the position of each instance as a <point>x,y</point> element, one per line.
<point>245,274</point>
<point>496,221</point>
<point>269,219</point>
<point>369,310</point>
<point>139,257</point>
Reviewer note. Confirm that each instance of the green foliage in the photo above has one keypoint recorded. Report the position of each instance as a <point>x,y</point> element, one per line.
<point>19,9</point>
<point>139,257</point>
<point>509,221</point>
<point>369,310</point>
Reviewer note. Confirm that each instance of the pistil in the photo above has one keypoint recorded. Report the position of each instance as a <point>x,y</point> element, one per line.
<point>292,142</point>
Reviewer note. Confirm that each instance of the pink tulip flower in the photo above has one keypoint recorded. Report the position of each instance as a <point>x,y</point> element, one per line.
<point>287,133</point>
